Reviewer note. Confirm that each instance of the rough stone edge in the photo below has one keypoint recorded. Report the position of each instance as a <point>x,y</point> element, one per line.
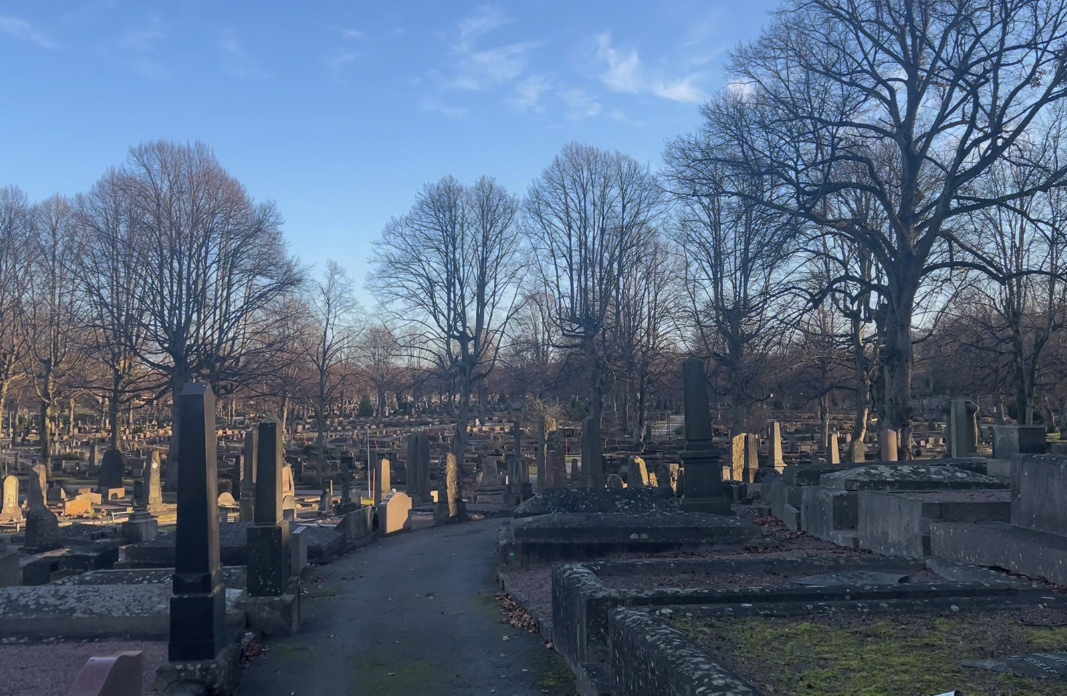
<point>664,655</point>
<point>219,677</point>
<point>543,623</point>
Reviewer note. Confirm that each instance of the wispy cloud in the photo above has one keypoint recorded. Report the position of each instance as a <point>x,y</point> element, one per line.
<point>579,104</point>
<point>528,94</point>
<point>623,71</point>
<point>239,62</point>
<point>25,32</point>
<point>339,59</point>
<point>474,68</point>
<point>141,43</point>
<point>435,105</point>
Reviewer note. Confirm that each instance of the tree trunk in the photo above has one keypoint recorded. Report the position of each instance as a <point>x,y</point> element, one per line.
<point>896,360</point>
<point>463,414</point>
<point>178,380</point>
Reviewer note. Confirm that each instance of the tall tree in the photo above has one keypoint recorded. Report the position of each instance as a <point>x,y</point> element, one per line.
<point>586,215</point>
<point>209,261</point>
<point>54,306</point>
<point>449,268</point>
<point>378,352</point>
<point>909,102</point>
<point>15,250</point>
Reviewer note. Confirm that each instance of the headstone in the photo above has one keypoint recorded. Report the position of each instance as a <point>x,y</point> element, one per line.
<point>382,479</point>
<point>637,476</point>
<point>92,457</point>
<point>491,490</point>
<point>235,476</point>
<point>751,457</point>
<point>887,445</point>
<point>450,506</point>
<point>42,530</point>
<point>541,452</point>
<point>703,490</point>
<point>833,452</point>
<point>555,470</point>
<point>737,457</point>
<point>592,454</point>
<point>614,481</point>
<point>418,474</point>
<point>152,483</point>
<point>288,493</point>
<point>298,551</point>
<point>393,512</point>
<point>268,538</point>
<point>963,428</point>
<point>248,476</point>
<point>776,459</point>
<point>111,470</point>
<point>1018,439</point>
<point>38,484</point>
<point>858,451</point>
<point>226,500</point>
<point>11,513</point>
<point>198,607</point>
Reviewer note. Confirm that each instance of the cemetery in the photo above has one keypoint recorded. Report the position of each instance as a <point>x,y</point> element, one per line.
<point>754,387</point>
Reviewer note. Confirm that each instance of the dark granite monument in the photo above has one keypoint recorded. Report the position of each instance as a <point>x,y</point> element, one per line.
<point>268,539</point>
<point>703,491</point>
<point>198,607</point>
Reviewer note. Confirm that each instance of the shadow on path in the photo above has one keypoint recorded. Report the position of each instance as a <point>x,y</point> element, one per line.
<point>411,615</point>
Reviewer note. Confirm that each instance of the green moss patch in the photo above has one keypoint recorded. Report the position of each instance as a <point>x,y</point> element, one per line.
<point>862,655</point>
<point>391,677</point>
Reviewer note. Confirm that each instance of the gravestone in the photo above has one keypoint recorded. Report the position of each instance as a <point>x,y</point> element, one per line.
<point>152,485</point>
<point>288,493</point>
<point>248,476</point>
<point>418,474</point>
<point>92,457</point>
<point>963,428</point>
<point>887,445</point>
<point>491,490</point>
<point>1018,439</point>
<point>198,607</point>
<point>703,490</point>
<point>541,452</point>
<point>592,454</point>
<point>737,457</point>
<point>268,538</point>
<point>776,459</point>
<point>857,451</point>
<point>382,479</point>
<point>833,451</point>
<point>751,457</point>
<point>450,506</point>
<point>556,470</point>
<point>11,513</point>
<point>235,476</point>
<point>111,470</point>
<point>637,475</point>
<point>36,487</point>
<point>393,513</point>
<point>42,530</point>
<point>614,482</point>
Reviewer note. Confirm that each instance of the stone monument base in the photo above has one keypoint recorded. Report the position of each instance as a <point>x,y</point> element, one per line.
<point>273,616</point>
<point>141,526</point>
<point>220,676</point>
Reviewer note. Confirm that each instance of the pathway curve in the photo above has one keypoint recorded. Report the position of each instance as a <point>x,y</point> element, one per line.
<point>411,615</point>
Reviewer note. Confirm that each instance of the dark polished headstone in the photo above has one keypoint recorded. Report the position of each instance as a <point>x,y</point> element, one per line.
<point>268,540</point>
<point>703,488</point>
<point>198,607</point>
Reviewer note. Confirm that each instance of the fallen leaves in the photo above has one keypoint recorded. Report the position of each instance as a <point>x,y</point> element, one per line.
<point>515,615</point>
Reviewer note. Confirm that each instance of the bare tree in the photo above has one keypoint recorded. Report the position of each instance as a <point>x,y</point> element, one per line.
<point>738,255</point>
<point>449,269</point>
<point>208,262</point>
<point>327,344</point>
<point>378,352</point>
<point>14,252</point>
<point>54,306</point>
<point>586,216</point>
<point>907,102</point>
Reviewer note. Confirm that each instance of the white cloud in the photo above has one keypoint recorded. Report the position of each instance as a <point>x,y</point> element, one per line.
<point>141,42</point>
<point>484,20</point>
<point>473,68</point>
<point>579,104</point>
<point>437,106</point>
<point>622,71</point>
<point>528,94</point>
<point>25,32</point>
<point>239,63</point>
<point>354,34</point>
<point>338,60</point>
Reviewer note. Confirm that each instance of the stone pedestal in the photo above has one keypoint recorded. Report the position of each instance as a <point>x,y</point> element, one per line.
<point>268,559</point>
<point>141,526</point>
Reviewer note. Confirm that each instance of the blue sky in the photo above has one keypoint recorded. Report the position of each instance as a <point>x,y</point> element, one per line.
<point>340,112</point>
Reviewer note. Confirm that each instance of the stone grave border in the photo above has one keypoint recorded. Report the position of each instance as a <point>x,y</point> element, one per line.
<point>582,604</point>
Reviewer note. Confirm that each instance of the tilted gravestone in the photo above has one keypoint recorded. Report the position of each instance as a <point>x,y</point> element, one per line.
<point>42,530</point>
<point>198,607</point>
<point>268,538</point>
<point>703,490</point>
<point>111,469</point>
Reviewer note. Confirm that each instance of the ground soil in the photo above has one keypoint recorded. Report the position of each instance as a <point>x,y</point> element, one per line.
<point>50,669</point>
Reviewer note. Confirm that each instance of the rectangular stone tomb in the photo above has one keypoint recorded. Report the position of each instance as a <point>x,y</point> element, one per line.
<point>577,536</point>
<point>583,595</point>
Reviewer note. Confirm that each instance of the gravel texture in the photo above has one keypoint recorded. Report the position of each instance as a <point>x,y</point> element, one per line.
<point>50,669</point>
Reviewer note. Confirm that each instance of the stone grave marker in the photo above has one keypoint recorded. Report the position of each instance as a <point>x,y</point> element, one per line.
<point>887,445</point>
<point>42,530</point>
<point>268,538</point>
<point>11,513</point>
<point>776,459</point>
<point>703,477</point>
<point>963,428</point>
<point>37,485</point>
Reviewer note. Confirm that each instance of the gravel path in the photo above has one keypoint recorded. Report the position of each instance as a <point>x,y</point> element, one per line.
<point>50,669</point>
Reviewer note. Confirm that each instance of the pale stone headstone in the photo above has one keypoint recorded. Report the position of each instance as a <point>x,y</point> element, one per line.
<point>11,513</point>
<point>638,473</point>
<point>963,428</point>
<point>833,452</point>
<point>737,457</point>
<point>777,460</point>
<point>450,506</point>
<point>288,493</point>
<point>751,457</point>
<point>887,445</point>
<point>858,451</point>
<point>248,476</point>
<point>152,483</point>
<point>393,512</point>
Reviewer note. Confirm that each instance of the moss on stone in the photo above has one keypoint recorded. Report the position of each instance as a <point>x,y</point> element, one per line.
<point>876,656</point>
<point>392,677</point>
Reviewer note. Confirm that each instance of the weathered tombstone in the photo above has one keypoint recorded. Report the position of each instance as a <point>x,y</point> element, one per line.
<point>226,500</point>
<point>382,479</point>
<point>37,485</point>
<point>111,470</point>
<point>887,445</point>
<point>637,475</point>
<point>556,474</point>
<point>751,457</point>
<point>11,513</point>
<point>491,490</point>
<point>703,478</point>
<point>120,674</point>
<point>776,459</point>
<point>450,506</point>
<point>592,454</point>
<point>248,476</point>
<point>298,550</point>
<point>833,451</point>
<point>288,493</point>
<point>42,530</point>
<point>1018,439</point>
<point>152,483</point>
<point>268,538</point>
<point>198,607</point>
<point>92,457</point>
<point>614,481</point>
<point>393,512</point>
<point>858,451</point>
<point>737,457</point>
<point>963,429</point>
<point>541,452</point>
<point>235,476</point>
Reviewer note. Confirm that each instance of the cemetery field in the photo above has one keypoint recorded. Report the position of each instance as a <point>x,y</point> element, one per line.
<point>899,655</point>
